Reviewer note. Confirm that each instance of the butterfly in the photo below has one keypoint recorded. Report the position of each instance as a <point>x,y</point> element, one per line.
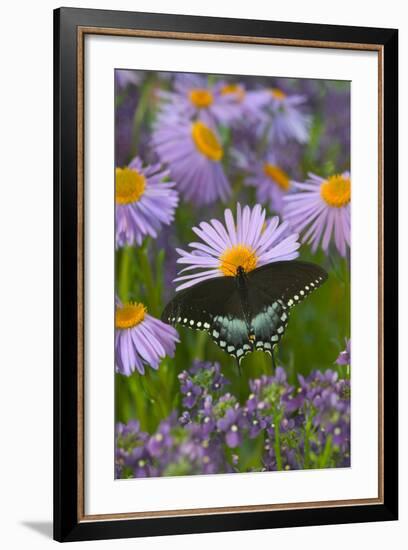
<point>248,311</point>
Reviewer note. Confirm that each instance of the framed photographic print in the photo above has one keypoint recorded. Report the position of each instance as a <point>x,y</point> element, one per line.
<point>225,274</point>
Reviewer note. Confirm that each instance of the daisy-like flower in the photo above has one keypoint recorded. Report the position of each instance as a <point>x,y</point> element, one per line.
<point>249,102</point>
<point>193,152</point>
<point>193,97</point>
<point>284,119</point>
<point>144,202</point>
<point>321,210</point>
<point>140,339</point>
<point>250,242</point>
<point>270,180</point>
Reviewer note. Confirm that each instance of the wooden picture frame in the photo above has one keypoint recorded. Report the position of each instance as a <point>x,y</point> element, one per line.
<point>71,26</point>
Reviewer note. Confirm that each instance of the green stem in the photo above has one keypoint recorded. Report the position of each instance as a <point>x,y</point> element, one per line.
<point>152,289</point>
<point>139,398</point>
<point>201,341</point>
<point>307,443</point>
<point>166,382</point>
<point>124,273</point>
<point>278,456</point>
<point>236,188</point>
<point>325,456</point>
<point>157,392</point>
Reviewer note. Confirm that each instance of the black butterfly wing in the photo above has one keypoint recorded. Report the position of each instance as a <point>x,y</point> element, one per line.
<point>220,308</point>
<point>291,281</point>
<point>213,306</point>
<point>272,290</point>
<point>268,324</point>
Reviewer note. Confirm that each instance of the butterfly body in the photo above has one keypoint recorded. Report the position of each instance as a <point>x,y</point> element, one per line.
<point>248,311</point>
<point>241,281</point>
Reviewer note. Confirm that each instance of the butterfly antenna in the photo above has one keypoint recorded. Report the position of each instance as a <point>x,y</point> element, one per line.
<point>239,367</point>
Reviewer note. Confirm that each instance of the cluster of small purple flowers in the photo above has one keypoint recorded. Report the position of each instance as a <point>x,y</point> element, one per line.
<point>278,427</point>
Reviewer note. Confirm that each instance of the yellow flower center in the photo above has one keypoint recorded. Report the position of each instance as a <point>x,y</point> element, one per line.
<point>277,175</point>
<point>206,141</point>
<point>238,256</point>
<point>129,315</point>
<point>277,93</point>
<point>336,191</point>
<point>201,98</point>
<point>234,89</point>
<point>130,185</point>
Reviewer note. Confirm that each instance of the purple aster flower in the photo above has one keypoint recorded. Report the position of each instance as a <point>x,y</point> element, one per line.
<point>284,119</point>
<point>269,178</point>
<point>250,242</point>
<point>193,97</point>
<point>344,357</point>
<point>141,339</point>
<point>144,202</point>
<point>248,102</point>
<point>193,153</point>
<point>321,210</point>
